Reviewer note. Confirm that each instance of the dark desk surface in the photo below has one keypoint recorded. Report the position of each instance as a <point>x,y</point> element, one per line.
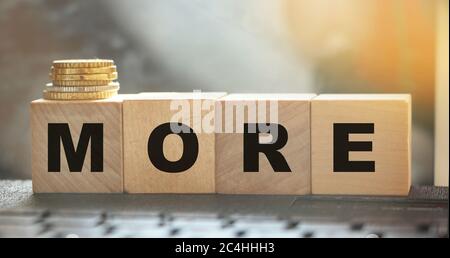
<point>18,194</point>
<point>423,205</point>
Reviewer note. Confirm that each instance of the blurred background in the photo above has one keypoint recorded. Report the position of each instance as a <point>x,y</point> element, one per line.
<point>320,46</point>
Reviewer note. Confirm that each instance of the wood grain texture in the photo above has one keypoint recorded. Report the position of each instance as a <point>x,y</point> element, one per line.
<point>391,143</point>
<point>75,113</point>
<point>142,114</point>
<point>294,115</point>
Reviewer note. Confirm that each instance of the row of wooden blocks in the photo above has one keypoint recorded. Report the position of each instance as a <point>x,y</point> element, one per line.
<point>355,144</point>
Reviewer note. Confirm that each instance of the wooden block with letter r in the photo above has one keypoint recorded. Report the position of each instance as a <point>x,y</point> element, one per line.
<point>263,144</point>
<point>77,146</point>
<point>361,144</point>
<point>169,142</point>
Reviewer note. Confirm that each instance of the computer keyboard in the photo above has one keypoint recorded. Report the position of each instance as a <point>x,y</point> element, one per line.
<point>74,224</point>
<point>424,213</point>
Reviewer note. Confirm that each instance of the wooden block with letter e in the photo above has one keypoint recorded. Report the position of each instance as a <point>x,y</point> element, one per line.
<point>263,144</point>
<point>361,144</point>
<point>169,142</point>
<point>77,146</point>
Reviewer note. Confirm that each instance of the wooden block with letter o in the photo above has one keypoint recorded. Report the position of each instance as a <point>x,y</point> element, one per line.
<point>169,142</point>
<point>263,144</point>
<point>361,144</point>
<point>77,146</point>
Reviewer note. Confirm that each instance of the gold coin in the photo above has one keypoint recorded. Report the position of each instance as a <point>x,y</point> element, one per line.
<point>82,63</point>
<point>94,70</point>
<point>83,77</point>
<point>81,83</point>
<point>111,86</point>
<point>79,95</point>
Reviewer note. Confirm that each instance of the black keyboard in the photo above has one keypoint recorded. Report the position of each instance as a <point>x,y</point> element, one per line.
<point>424,213</point>
<point>67,224</point>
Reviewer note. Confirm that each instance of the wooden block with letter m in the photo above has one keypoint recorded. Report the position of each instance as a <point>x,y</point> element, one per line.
<point>77,146</point>
<point>361,144</point>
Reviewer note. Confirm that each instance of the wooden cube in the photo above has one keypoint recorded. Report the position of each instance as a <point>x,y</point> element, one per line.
<point>361,144</point>
<point>254,160</point>
<point>77,146</point>
<point>160,156</point>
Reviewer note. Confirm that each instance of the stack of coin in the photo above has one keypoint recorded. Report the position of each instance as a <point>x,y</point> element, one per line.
<point>84,79</point>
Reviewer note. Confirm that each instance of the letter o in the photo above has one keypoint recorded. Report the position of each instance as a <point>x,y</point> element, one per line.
<point>156,154</point>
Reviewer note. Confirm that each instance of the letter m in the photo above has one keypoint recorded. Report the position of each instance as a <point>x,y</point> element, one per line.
<point>60,133</point>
